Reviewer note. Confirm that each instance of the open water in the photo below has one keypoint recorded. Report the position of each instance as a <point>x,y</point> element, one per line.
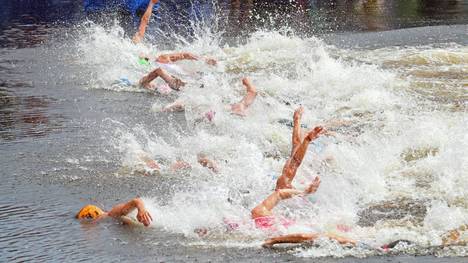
<point>394,71</point>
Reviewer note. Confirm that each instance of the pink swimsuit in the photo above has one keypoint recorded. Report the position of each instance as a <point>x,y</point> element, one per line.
<point>269,222</point>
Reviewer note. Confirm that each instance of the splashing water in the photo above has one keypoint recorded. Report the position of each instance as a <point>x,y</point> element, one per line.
<point>398,142</point>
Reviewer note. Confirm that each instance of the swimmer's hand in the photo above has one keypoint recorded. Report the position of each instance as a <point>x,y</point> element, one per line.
<point>313,186</point>
<point>314,134</point>
<point>298,113</point>
<point>269,243</point>
<point>144,216</point>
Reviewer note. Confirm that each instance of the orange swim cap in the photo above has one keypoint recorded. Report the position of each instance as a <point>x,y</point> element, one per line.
<point>89,212</point>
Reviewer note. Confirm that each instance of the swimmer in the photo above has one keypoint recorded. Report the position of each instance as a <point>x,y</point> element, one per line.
<point>239,108</point>
<point>167,71</point>
<point>262,213</point>
<point>138,37</point>
<point>120,212</point>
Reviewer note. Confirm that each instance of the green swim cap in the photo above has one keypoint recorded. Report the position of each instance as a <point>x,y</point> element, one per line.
<point>143,61</point>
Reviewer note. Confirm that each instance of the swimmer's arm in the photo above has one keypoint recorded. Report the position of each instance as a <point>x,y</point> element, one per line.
<point>138,37</point>
<point>303,237</point>
<point>124,209</point>
<point>173,57</point>
<point>188,56</point>
<point>292,238</point>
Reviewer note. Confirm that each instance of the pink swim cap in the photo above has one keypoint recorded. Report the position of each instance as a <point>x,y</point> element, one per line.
<point>210,115</point>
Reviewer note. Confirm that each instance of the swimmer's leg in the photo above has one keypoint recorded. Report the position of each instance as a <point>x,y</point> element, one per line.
<point>303,237</point>
<point>240,107</point>
<point>173,82</point>
<point>293,163</point>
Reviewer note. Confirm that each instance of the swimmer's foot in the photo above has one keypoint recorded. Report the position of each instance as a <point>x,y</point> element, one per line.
<point>176,83</point>
<point>312,188</point>
<point>314,134</point>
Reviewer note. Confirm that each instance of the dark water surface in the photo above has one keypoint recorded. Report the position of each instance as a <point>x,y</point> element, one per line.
<point>54,147</point>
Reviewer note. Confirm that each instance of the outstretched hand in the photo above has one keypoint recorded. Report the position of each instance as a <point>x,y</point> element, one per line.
<point>298,112</point>
<point>144,217</point>
<point>314,134</point>
<point>313,186</point>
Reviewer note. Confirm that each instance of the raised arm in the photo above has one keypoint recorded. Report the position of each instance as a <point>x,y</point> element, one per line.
<point>138,37</point>
<point>124,209</point>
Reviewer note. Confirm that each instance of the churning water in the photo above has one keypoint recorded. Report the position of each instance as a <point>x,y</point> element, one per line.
<point>396,169</point>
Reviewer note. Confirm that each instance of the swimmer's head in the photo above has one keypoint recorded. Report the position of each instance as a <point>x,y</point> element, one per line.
<point>90,212</point>
<point>143,61</point>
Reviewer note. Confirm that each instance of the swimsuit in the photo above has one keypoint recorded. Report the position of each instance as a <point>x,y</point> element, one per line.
<point>262,222</point>
<point>269,222</point>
